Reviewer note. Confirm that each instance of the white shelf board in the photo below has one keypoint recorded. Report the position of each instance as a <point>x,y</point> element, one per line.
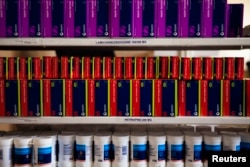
<point>126,120</point>
<point>162,43</point>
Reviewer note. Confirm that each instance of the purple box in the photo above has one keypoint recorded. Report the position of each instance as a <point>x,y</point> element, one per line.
<point>59,18</point>
<point>220,12</point>
<point>137,18</point>
<point>235,20</point>
<point>161,18</point>
<point>183,18</point>
<point>207,18</point>
<point>10,19</point>
<point>122,17</point>
<point>91,18</point>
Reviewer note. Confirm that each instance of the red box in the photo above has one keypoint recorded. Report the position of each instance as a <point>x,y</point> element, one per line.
<point>204,97</point>
<point>24,98</point>
<point>174,67</point>
<point>91,97</point>
<point>239,67</point>
<point>140,67</point>
<point>12,68</point>
<point>55,67</point>
<point>163,68</point>
<point>129,67</point>
<point>151,68</point>
<point>108,67</point>
<point>22,68</point>
<point>207,68</point>
<point>226,98</point>
<point>65,67</point>
<point>46,98</point>
<point>36,68</point>
<point>136,98</point>
<point>97,68</point>
<point>247,97</point>
<point>229,68</point>
<point>68,97</point>
<point>218,68</point>
<point>119,68</point>
<point>197,68</point>
<point>2,68</point>
<point>87,68</point>
<point>2,98</point>
<point>186,68</point>
<point>75,71</point>
<point>47,67</point>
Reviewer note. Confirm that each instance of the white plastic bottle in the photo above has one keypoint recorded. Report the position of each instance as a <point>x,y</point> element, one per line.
<point>121,149</point>
<point>84,143</point>
<point>157,150</point>
<point>175,146</point>
<point>23,152</point>
<point>231,142</point>
<point>42,151</point>
<point>193,145</point>
<point>6,146</point>
<point>245,141</point>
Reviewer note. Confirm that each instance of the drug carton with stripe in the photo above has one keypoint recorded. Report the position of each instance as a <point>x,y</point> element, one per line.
<point>120,97</point>
<point>35,70</point>
<point>12,98</point>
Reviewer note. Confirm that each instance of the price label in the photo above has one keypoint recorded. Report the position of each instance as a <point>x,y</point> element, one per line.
<point>121,42</point>
<point>138,120</point>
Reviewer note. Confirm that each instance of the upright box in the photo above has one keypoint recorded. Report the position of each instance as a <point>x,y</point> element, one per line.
<point>151,68</point>
<point>211,97</point>
<point>98,68</point>
<point>31,97</point>
<point>59,18</point>
<point>207,18</point>
<point>239,68</point>
<point>103,18</point>
<point>55,67</point>
<point>98,97</point>
<point>122,18</point>
<point>234,98</point>
<point>35,68</point>
<point>137,17</point>
<point>12,68</point>
<point>76,97</point>
<point>207,68</point>
<point>189,98</point>
<point>129,64</point>
<point>197,68</point>
<point>247,97</point>
<point>3,67</point>
<point>22,68</point>
<point>47,67</point>
<point>143,98</point>
<point>119,70</point>
<point>87,67</point>
<point>185,68</point>
<point>75,69</point>
<point>219,25</point>
<point>108,68</point>
<point>140,67</point>
<point>184,6</point>
<point>12,98</point>
<point>218,68</point>
<point>120,97</point>
<point>235,18</point>
<point>91,18</point>
<point>80,19</point>
<point>166,98</point>
<point>229,68</point>
<point>32,18</point>
<point>2,98</point>
<point>10,18</point>
<point>163,68</point>
<point>174,65</point>
<point>195,18</point>
<point>65,67</point>
<point>53,97</point>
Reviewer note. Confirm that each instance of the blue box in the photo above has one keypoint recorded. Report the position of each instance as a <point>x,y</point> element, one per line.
<point>235,18</point>
<point>172,18</point>
<point>103,9</point>
<point>81,18</point>
<point>195,18</point>
<point>219,25</point>
<point>146,98</point>
<point>35,98</point>
<point>12,98</point>
<point>149,18</point>
<point>214,98</point>
<point>237,91</point>
<point>124,97</point>
<point>79,97</point>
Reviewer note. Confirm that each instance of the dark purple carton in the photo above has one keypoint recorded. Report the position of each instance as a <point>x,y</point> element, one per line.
<point>195,18</point>
<point>3,18</point>
<point>149,18</point>
<point>103,17</point>
<point>69,18</point>
<point>219,25</point>
<point>10,18</point>
<point>121,18</point>
<point>235,20</point>
<point>47,18</point>
<point>91,18</point>
<point>172,18</point>
<point>32,16</point>
<point>161,18</point>
<point>207,18</point>
<point>183,18</point>
<point>137,18</point>
<point>81,18</point>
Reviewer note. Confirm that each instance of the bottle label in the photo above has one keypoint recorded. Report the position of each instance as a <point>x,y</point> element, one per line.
<point>244,146</point>
<point>212,147</point>
<point>68,152</point>
<point>139,152</point>
<point>22,156</point>
<point>83,153</point>
<point>176,152</point>
<point>193,153</point>
<point>102,152</point>
<point>121,153</point>
<point>44,155</point>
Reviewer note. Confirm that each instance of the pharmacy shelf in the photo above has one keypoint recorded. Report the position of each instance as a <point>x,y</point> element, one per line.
<point>125,43</point>
<point>127,120</point>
